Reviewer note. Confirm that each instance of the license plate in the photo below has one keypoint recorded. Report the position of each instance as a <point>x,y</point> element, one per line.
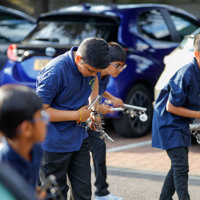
<point>40,63</point>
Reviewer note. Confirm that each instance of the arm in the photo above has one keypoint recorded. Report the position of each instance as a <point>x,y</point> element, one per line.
<point>181,111</point>
<point>67,115</point>
<point>116,101</point>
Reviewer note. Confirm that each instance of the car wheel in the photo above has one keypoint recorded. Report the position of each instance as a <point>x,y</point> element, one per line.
<point>128,126</point>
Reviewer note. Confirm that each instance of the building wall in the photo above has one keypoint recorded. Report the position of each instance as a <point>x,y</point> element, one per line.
<point>31,7</point>
<point>193,8</point>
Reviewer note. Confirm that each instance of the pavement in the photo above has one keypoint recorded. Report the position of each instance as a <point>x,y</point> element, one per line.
<point>137,155</point>
<point>136,171</point>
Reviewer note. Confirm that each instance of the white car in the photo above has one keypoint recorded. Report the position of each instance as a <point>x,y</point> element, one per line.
<point>180,56</point>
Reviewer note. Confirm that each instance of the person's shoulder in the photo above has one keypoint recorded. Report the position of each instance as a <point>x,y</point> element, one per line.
<point>186,67</point>
<point>53,68</point>
<point>184,71</point>
<point>55,63</point>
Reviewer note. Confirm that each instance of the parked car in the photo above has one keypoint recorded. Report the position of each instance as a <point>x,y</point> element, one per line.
<point>179,57</point>
<point>14,27</point>
<point>148,32</point>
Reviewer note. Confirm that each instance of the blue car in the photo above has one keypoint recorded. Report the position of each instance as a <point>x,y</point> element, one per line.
<point>147,32</point>
<point>14,27</point>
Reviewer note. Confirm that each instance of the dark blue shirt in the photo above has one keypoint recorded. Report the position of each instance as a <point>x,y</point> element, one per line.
<point>27,169</point>
<point>103,82</point>
<point>63,87</point>
<point>170,130</point>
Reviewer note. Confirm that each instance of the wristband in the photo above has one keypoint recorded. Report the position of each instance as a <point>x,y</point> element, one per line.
<point>80,116</point>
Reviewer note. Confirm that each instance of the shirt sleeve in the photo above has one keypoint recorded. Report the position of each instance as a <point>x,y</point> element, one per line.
<point>47,85</point>
<point>178,89</point>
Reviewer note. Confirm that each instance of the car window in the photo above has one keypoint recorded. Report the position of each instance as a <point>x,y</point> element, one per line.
<point>152,25</point>
<point>13,28</point>
<point>188,41</point>
<point>72,32</point>
<point>183,25</point>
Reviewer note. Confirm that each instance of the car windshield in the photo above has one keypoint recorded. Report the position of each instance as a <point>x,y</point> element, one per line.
<point>187,42</point>
<point>71,32</point>
<point>13,26</point>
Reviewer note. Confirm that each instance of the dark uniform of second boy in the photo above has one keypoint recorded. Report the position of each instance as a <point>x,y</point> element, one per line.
<point>65,85</point>
<point>98,147</point>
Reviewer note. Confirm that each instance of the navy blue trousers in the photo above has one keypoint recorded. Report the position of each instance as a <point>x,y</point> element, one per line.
<point>75,165</point>
<point>98,150</point>
<point>177,177</point>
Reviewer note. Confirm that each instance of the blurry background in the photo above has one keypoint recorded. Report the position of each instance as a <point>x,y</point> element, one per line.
<point>35,7</point>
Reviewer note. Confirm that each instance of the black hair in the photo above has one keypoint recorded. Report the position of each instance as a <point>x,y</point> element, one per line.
<point>117,52</point>
<point>95,52</point>
<point>17,104</point>
<point>197,43</point>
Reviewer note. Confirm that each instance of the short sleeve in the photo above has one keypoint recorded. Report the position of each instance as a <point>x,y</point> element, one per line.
<point>178,89</point>
<point>47,85</point>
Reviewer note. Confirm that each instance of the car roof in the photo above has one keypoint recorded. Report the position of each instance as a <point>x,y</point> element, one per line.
<point>17,13</point>
<point>110,9</point>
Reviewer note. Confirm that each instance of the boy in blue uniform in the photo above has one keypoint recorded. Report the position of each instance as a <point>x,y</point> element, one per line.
<point>98,147</point>
<point>65,85</point>
<point>176,106</point>
<point>23,123</point>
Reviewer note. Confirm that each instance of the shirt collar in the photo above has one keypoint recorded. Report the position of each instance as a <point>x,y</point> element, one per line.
<point>72,62</point>
<point>13,156</point>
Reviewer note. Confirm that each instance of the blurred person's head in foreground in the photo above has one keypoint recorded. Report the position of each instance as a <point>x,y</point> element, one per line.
<point>21,114</point>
